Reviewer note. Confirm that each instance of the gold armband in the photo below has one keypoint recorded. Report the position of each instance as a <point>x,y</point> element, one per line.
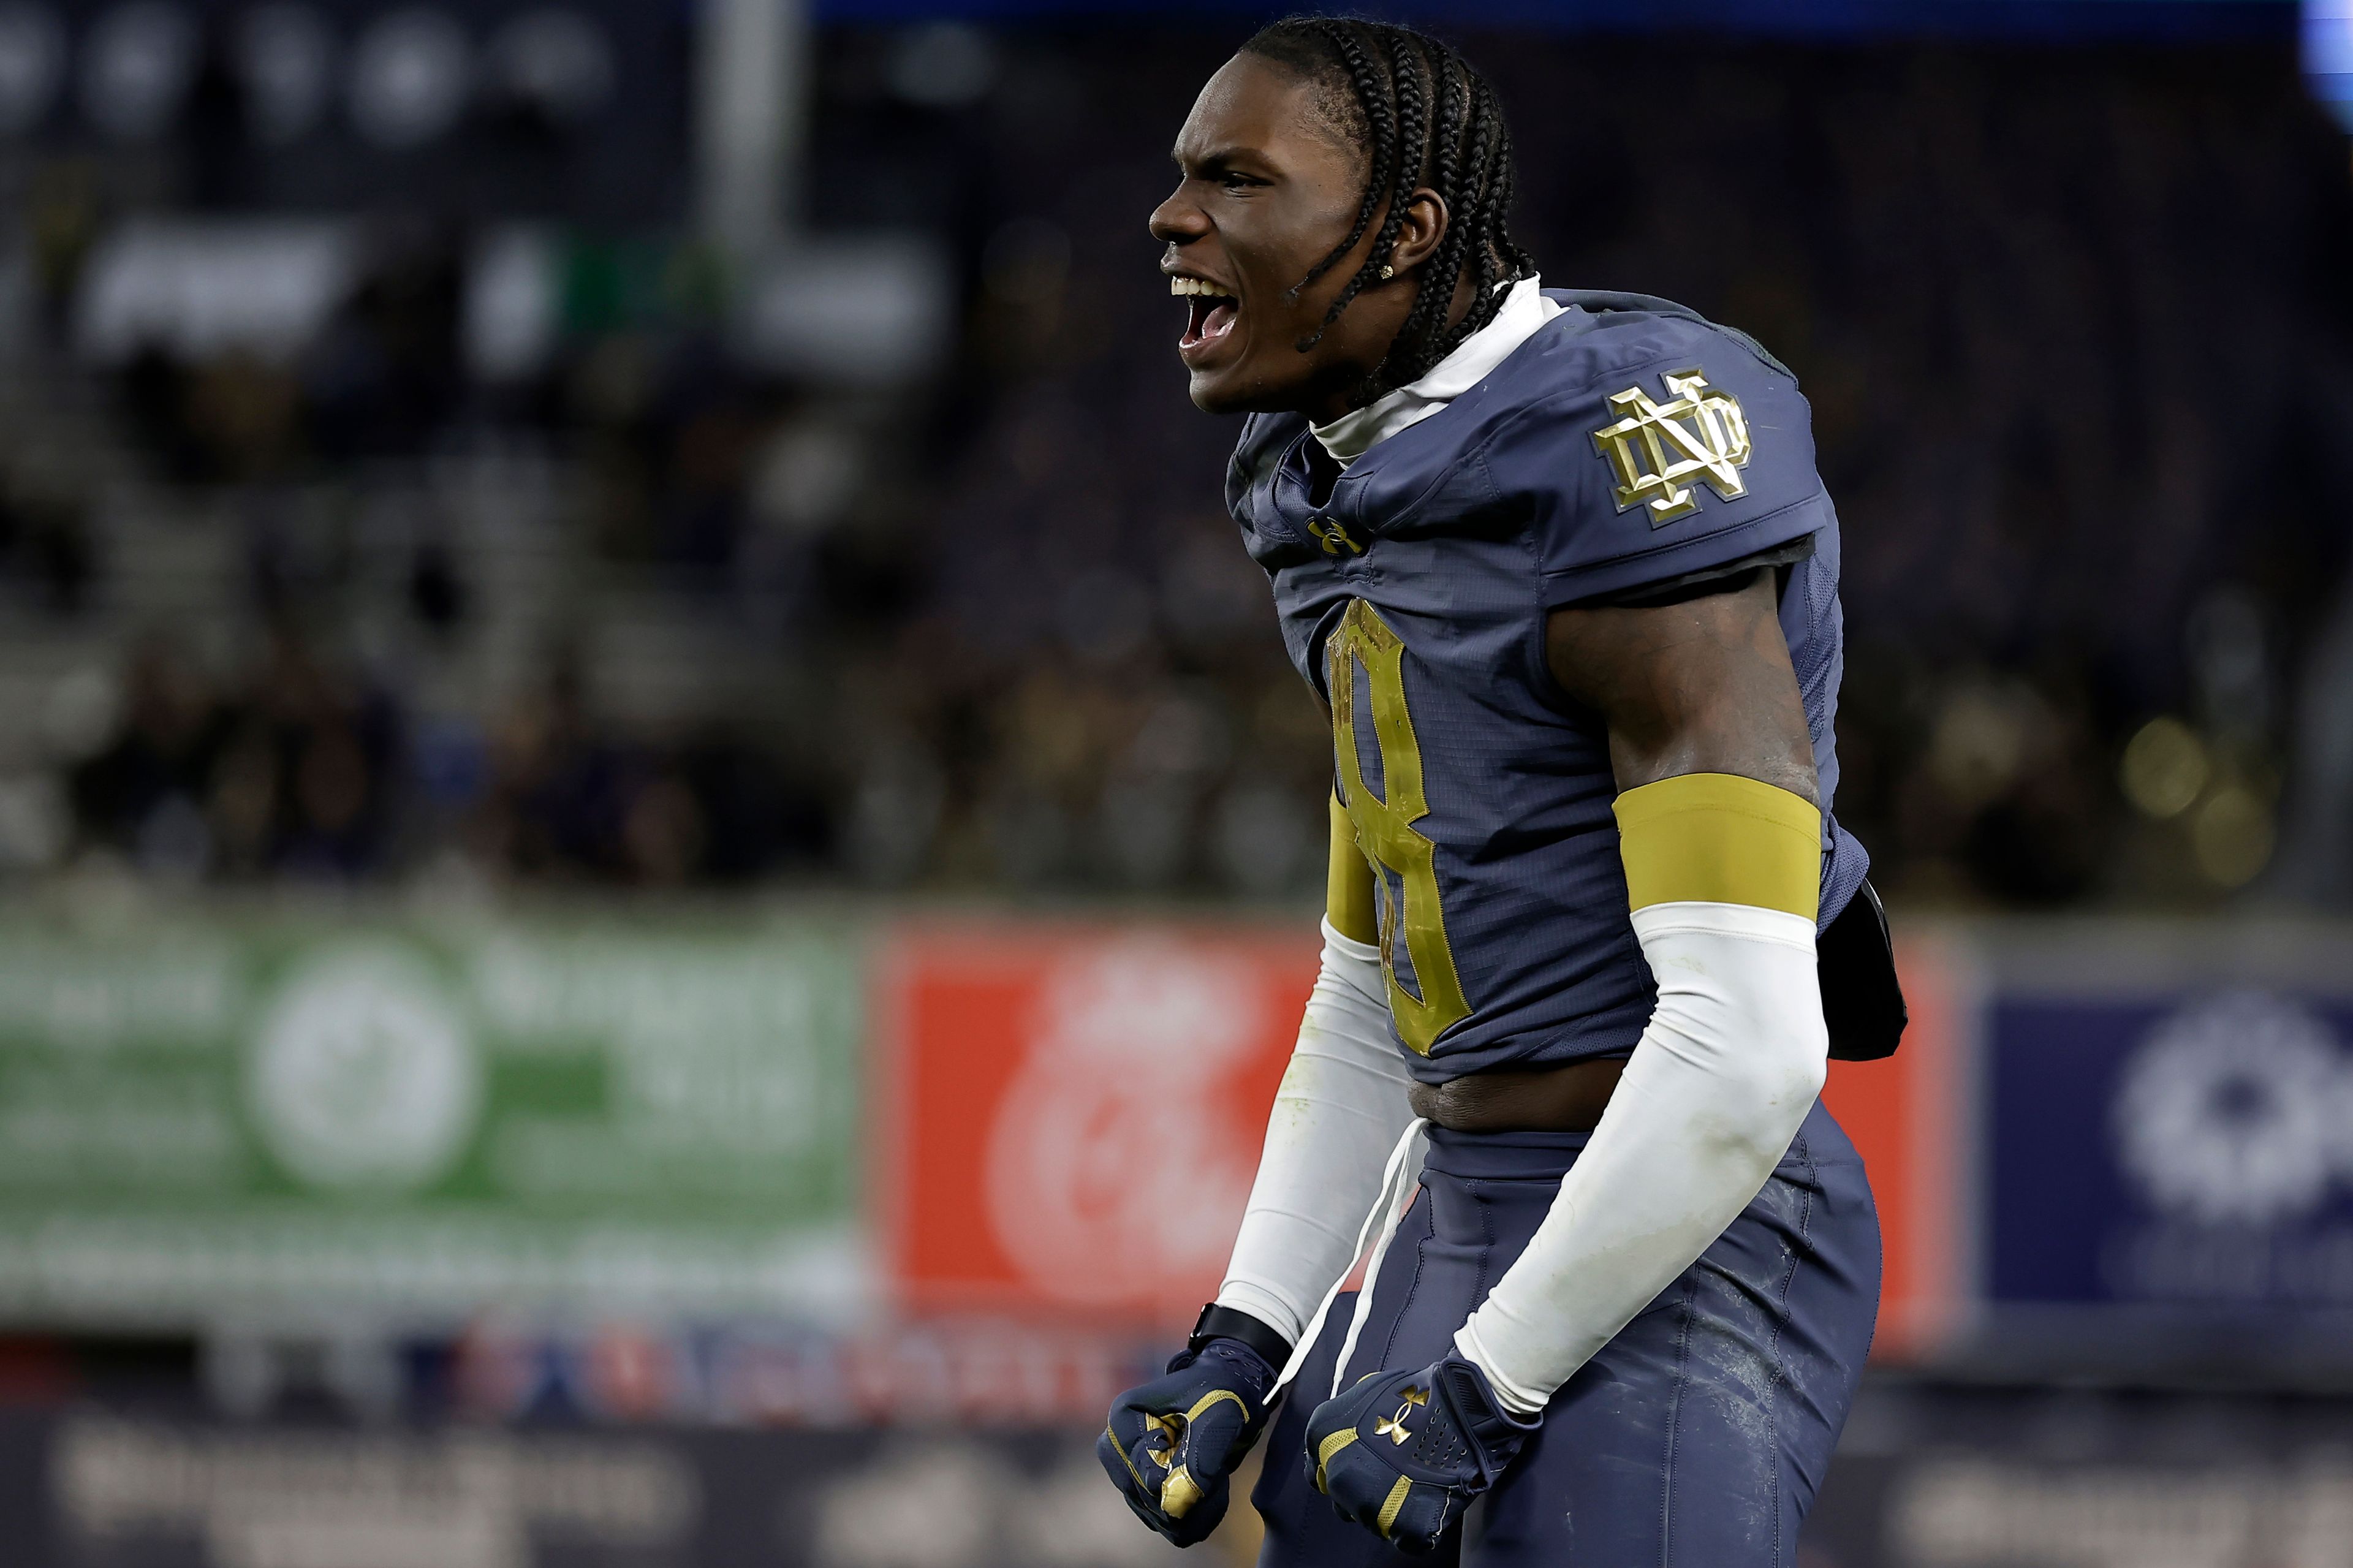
<point>1720,838</point>
<point>1348,884</point>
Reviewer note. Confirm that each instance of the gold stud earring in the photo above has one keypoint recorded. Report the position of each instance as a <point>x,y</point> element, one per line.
<point>1388,271</point>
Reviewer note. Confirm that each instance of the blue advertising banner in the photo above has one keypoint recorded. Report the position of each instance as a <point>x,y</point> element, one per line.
<point>2183,1147</point>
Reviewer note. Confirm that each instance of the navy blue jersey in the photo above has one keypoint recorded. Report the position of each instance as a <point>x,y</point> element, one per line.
<point>1628,444</point>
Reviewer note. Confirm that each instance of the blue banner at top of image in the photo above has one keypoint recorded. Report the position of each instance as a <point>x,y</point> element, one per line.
<point>2159,20</point>
<point>2193,1150</point>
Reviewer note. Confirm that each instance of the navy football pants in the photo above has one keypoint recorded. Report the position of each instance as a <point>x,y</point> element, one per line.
<point>1695,1439</point>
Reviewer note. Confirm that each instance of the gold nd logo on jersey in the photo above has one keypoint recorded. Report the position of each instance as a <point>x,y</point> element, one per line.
<point>1698,433</point>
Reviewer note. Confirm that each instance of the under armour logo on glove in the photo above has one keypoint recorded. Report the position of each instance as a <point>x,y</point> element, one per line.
<point>1171,1444</point>
<point>1393,1427</point>
<point>1403,1453</point>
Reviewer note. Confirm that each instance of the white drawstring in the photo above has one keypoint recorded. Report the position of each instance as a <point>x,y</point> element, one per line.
<point>1407,1161</point>
<point>1399,1177</point>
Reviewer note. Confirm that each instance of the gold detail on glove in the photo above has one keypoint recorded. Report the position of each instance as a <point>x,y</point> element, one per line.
<point>1202,1405</point>
<point>1390,1506</point>
<point>1329,1446</point>
<point>1170,1430</point>
<point>1180,1493</point>
<point>1140,1483</point>
<point>1393,1427</point>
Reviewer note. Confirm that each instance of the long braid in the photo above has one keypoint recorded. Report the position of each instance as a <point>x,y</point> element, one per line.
<point>1504,179</point>
<point>1380,115</point>
<point>1505,183</point>
<point>1425,117</point>
<point>1427,319</point>
<point>1412,133</point>
<point>1446,132</point>
<point>1413,141</point>
<point>1480,187</point>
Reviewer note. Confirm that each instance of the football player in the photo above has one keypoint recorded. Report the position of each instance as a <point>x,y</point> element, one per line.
<point>1562,569</point>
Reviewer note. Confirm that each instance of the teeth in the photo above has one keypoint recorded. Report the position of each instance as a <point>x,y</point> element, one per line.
<point>1181,286</point>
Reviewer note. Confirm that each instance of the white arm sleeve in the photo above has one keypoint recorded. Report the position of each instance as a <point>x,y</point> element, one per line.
<point>1339,1112</point>
<point>1711,1097</point>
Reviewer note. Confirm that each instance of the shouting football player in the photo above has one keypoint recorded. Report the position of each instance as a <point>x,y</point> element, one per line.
<point>1560,565</point>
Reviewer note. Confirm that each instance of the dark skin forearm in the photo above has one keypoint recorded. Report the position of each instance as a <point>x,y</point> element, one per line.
<point>1703,686</point>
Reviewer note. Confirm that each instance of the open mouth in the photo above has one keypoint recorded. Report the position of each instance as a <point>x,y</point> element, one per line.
<point>1212,311</point>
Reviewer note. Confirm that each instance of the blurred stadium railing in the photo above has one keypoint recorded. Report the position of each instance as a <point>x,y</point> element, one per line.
<point>630,759</point>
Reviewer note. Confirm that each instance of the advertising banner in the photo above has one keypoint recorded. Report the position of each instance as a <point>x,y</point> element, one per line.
<point>1975,1475</point>
<point>402,1122</point>
<point>88,1489</point>
<point>885,1371</point>
<point>1932,1476</point>
<point>1907,1115</point>
<point>1070,1116</point>
<point>2190,1146</point>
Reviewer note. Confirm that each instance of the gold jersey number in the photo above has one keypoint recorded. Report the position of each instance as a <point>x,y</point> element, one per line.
<point>1405,873</point>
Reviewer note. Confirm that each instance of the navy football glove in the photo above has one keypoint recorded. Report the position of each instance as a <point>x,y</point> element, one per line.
<point>1171,1444</point>
<point>1403,1453</point>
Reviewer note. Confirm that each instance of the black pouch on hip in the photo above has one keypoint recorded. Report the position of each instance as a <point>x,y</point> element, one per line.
<point>1863,1001</point>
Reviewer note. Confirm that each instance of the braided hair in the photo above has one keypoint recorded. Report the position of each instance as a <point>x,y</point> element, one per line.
<point>1424,116</point>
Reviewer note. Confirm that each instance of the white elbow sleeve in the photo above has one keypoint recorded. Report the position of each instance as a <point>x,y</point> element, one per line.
<point>1710,1100</point>
<point>1740,999</point>
<point>1338,1114</point>
<point>1722,874</point>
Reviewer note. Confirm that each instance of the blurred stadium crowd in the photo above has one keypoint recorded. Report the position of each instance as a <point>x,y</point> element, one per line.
<point>641,611</point>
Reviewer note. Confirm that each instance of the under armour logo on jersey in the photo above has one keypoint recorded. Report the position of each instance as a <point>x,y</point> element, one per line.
<point>1333,537</point>
<point>1698,433</point>
<point>1393,1427</point>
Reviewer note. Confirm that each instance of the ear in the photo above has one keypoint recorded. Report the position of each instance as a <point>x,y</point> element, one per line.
<point>1424,226</point>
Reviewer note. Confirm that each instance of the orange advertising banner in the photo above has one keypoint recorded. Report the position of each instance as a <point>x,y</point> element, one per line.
<point>1069,1116</point>
<point>1908,1116</point>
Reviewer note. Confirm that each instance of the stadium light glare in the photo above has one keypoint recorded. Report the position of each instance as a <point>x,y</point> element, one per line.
<point>2327,33</point>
